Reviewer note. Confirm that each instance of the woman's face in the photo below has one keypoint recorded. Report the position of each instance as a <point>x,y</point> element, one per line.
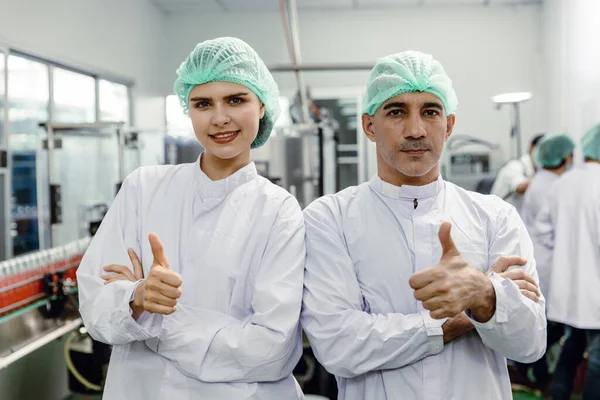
<point>225,117</point>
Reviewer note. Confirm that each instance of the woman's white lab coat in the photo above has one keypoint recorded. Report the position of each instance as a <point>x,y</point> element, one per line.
<point>239,245</point>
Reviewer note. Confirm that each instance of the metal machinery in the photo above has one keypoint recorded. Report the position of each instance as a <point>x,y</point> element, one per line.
<point>85,168</point>
<point>296,158</point>
<point>78,170</point>
<point>36,305</point>
<point>471,163</point>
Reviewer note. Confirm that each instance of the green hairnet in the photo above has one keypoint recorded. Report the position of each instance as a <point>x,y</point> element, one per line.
<point>410,71</point>
<point>590,143</point>
<point>232,60</point>
<point>552,150</point>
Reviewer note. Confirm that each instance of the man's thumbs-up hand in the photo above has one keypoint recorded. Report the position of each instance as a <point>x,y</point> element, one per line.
<point>159,292</point>
<point>448,247</point>
<point>453,286</point>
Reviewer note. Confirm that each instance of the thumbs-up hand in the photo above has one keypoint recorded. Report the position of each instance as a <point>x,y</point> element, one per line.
<point>453,286</point>
<point>159,292</point>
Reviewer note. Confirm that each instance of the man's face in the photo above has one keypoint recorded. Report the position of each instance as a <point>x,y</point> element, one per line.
<point>410,131</point>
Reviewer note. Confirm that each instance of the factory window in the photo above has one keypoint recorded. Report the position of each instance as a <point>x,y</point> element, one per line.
<point>74,96</point>
<point>114,101</point>
<point>28,97</point>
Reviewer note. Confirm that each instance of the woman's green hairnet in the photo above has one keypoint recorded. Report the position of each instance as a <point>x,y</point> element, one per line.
<point>552,150</point>
<point>232,60</point>
<point>590,143</point>
<point>410,71</point>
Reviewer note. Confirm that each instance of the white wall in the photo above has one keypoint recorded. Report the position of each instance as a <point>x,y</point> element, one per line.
<point>572,54</point>
<point>123,38</point>
<point>485,50</point>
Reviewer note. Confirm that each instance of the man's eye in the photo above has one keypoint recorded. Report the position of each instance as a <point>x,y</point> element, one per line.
<point>431,113</point>
<point>394,113</point>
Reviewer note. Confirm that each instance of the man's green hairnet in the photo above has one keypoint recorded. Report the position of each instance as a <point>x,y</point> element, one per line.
<point>590,143</point>
<point>409,71</point>
<point>232,60</point>
<point>552,150</point>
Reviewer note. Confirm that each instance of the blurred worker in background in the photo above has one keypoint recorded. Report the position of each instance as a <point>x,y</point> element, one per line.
<point>553,156</point>
<point>394,304</point>
<point>213,311</point>
<point>514,177</point>
<point>570,225</point>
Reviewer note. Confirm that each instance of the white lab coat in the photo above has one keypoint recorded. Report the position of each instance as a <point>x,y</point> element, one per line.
<point>360,314</point>
<point>239,245</point>
<point>535,199</point>
<point>511,175</point>
<point>571,226</point>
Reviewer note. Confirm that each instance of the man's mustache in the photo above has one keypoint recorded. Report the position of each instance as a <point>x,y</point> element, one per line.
<point>414,144</point>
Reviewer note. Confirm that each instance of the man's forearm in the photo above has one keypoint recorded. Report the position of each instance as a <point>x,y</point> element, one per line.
<point>485,307</point>
<point>456,327</point>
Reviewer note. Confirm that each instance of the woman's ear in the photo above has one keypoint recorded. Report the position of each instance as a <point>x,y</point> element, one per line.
<point>262,110</point>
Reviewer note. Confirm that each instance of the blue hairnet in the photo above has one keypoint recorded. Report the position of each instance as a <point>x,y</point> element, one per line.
<point>410,71</point>
<point>232,60</point>
<point>552,150</point>
<point>590,143</point>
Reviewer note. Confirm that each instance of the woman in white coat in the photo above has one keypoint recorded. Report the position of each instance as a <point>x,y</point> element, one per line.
<point>211,309</point>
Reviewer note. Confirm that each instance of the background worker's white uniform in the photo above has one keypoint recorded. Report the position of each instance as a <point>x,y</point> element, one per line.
<point>535,199</point>
<point>571,226</point>
<point>360,314</point>
<point>239,245</point>
<point>510,176</point>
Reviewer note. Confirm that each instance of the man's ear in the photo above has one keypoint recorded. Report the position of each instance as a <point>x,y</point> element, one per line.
<point>368,125</point>
<point>450,121</point>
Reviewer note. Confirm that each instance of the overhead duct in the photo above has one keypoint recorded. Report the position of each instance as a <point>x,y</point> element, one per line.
<point>321,67</point>
<point>289,15</point>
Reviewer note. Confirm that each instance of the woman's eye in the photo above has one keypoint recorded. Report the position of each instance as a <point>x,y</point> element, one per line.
<point>202,104</point>
<point>235,100</point>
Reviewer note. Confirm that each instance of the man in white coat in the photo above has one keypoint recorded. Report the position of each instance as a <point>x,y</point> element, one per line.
<point>570,225</point>
<point>554,156</point>
<point>394,305</point>
<point>514,178</point>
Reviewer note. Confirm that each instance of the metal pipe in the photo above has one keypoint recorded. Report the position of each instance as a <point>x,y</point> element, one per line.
<point>7,251</point>
<point>97,99</point>
<point>58,126</point>
<point>51,182</point>
<point>293,27</point>
<point>121,144</point>
<point>50,154</point>
<point>517,130</point>
<point>321,67</point>
<point>321,135</point>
